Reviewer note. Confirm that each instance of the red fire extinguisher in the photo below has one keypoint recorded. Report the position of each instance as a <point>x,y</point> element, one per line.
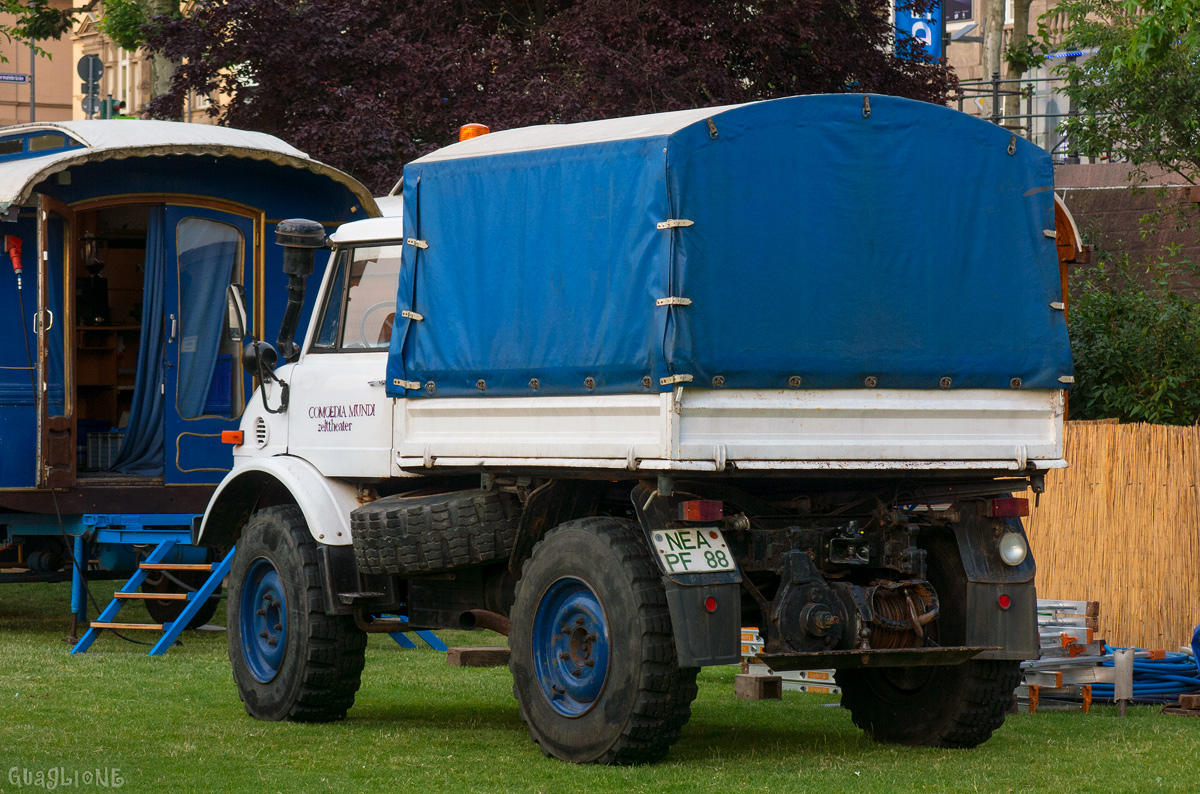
<point>12,246</point>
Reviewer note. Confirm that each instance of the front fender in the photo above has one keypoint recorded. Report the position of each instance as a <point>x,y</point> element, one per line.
<point>282,479</point>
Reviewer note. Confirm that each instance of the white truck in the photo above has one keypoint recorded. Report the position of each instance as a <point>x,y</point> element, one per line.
<point>618,389</point>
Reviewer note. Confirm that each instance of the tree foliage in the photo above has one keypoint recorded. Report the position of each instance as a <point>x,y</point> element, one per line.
<point>1138,88</point>
<point>124,22</point>
<point>1135,335</point>
<point>367,85</point>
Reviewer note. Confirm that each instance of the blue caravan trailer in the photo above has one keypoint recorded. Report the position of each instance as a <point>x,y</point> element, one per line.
<point>115,384</point>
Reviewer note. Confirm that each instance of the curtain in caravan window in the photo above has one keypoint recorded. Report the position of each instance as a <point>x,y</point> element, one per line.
<point>142,450</point>
<point>57,244</point>
<point>207,254</point>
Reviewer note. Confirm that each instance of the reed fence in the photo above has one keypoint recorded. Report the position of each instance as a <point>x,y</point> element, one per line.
<point>1122,526</point>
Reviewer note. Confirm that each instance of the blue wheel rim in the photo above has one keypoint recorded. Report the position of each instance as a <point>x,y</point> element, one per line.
<point>263,620</point>
<point>570,647</point>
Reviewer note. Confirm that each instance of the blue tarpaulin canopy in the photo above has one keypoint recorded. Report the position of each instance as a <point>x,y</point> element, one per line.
<point>830,238</point>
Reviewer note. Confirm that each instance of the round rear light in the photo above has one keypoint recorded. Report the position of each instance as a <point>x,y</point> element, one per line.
<point>710,604</point>
<point>1004,601</point>
<point>1013,548</point>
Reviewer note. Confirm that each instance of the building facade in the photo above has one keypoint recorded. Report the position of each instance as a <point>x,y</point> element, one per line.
<point>127,75</point>
<point>1042,106</point>
<point>52,74</point>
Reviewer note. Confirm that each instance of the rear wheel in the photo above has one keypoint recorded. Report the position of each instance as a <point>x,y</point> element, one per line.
<point>290,660</point>
<point>945,706</point>
<point>593,656</point>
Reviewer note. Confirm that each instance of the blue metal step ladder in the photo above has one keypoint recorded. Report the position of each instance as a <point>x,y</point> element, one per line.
<point>431,639</point>
<point>171,631</point>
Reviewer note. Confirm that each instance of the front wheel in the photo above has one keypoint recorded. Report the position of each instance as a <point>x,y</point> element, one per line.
<point>290,660</point>
<point>592,652</point>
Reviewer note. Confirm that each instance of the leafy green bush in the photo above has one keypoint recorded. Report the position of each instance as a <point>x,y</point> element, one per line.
<point>1135,333</point>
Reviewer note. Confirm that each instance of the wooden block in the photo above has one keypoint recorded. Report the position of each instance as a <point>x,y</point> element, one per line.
<point>1093,609</point>
<point>1191,702</point>
<point>490,656</point>
<point>758,687</point>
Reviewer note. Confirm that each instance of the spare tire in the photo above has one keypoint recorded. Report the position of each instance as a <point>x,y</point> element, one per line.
<point>405,535</point>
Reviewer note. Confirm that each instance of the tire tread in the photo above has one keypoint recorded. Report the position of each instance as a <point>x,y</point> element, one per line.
<point>665,691</point>
<point>336,650</point>
<point>401,536</point>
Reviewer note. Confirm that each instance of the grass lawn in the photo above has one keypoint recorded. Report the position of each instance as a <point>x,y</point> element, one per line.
<point>175,724</point>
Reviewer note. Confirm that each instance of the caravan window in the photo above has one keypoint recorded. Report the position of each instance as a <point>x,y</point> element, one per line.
<point>208,254</point>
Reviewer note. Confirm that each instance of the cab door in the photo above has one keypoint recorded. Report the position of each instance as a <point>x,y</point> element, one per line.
<point>53,323</point>
<point>340,419</point>
<point>204,384</point>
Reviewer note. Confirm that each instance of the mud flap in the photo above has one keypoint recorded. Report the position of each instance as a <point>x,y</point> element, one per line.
<point>703,636</point>
<point>991,583</point>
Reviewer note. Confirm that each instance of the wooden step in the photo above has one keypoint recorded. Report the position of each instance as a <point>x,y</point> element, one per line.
<point>155,596</point>
<point>758,687</point>
<point>176,566</point>
<point>133,626</point>
<point>488,656</point>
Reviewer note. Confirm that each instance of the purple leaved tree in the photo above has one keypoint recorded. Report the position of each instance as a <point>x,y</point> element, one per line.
<point>367,85</point>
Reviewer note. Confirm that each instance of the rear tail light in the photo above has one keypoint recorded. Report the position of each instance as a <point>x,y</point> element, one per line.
<point>701,510</point>
<point>1008,507</point>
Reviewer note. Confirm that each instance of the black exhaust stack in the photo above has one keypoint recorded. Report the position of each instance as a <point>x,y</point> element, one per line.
<point>300,240</point>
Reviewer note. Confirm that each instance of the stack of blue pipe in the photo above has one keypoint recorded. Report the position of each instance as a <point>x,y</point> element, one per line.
<point>1158,680</point>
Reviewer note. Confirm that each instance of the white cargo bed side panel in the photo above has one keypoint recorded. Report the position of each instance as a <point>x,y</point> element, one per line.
<point>862,424</point>
<point>702,430</point>
<point>614,427</point>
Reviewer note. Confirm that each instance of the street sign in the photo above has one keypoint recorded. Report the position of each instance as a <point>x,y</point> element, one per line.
<point>9,77</point>
<point>90,68</point>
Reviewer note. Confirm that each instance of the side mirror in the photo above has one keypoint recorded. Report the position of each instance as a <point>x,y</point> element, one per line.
<point>235,313</point>
<point>260,359</point>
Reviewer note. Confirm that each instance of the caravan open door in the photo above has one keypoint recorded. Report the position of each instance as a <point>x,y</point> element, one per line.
<point>57,243</point>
